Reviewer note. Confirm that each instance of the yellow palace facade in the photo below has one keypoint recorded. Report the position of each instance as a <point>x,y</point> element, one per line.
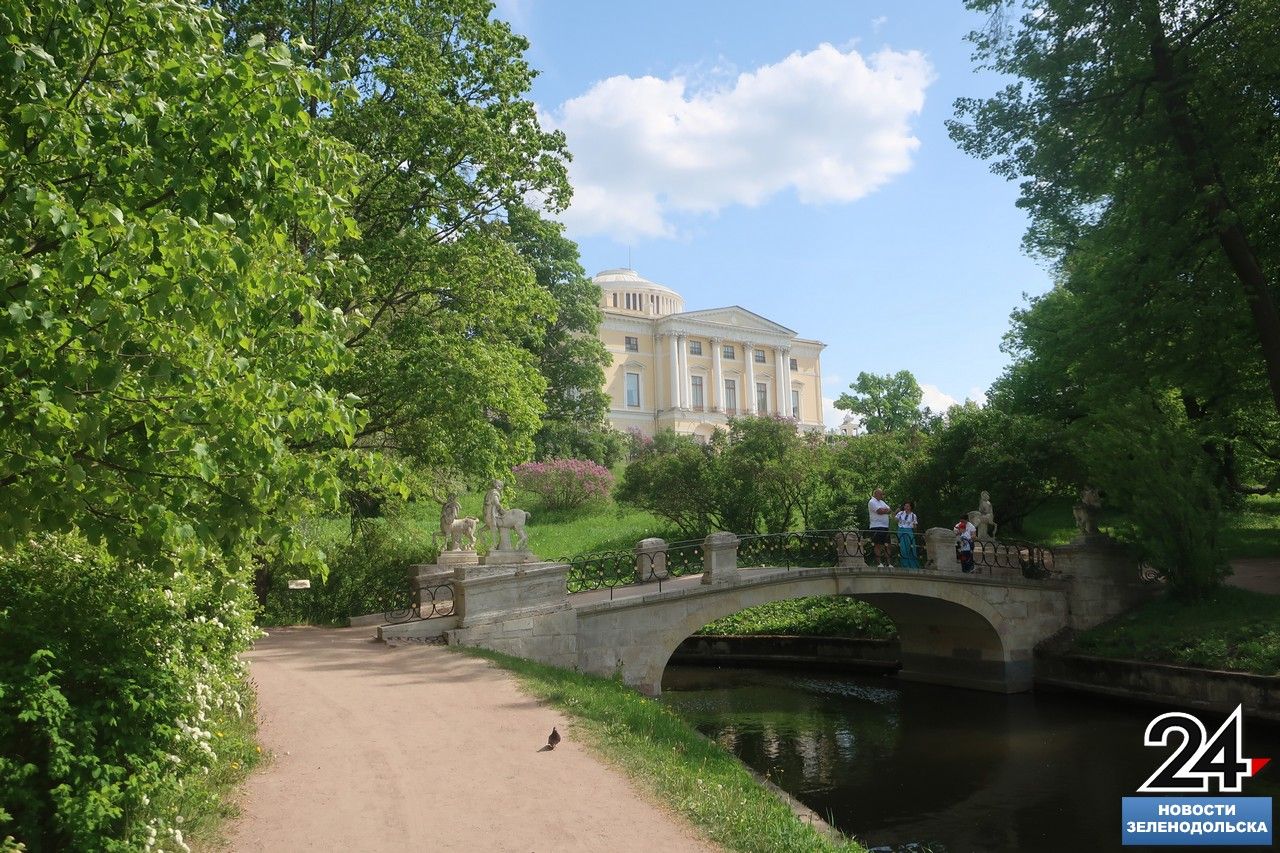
<point>691,371</point>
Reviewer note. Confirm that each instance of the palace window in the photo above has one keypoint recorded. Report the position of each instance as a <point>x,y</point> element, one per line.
<point>731,396</point>
<point>759,356</point>
<point>695,347</point>
<point>615,300</point>
<point>793,365</point>
<point>696,397</point>
<point>795,404</point>
<point>762,398</point>
<point>727,352</point>
<point>632,344</point>
<point>633,390</point>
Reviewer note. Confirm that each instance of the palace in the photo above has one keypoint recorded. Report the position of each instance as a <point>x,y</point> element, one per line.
<point>690,371</point>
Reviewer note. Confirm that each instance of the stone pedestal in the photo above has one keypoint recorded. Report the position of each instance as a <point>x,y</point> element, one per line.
<point>720,558</point>
<point>848,553</point>
<point>1104,577</point>
<point>452,559</point>
<point>489,593</point>
<point>940,545</point>
<point>509,558</point>
<point>651,559</point>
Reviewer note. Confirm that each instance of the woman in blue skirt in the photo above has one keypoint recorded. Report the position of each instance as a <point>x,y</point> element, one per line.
<point>907,557</point>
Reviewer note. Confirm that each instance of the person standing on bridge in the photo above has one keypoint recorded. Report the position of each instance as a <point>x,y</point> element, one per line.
<point>879,511</point>
<point>907,557</point>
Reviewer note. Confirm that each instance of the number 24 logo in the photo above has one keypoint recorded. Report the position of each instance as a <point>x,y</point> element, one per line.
<point>1205,758</point>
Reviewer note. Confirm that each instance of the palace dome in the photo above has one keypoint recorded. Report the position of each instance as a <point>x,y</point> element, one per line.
<point>627,292</point>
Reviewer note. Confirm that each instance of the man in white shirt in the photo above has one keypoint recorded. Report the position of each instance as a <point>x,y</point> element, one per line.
<point>878,510</point>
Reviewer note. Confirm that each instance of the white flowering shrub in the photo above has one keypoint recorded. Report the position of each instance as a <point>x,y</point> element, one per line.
<point>111,677</point>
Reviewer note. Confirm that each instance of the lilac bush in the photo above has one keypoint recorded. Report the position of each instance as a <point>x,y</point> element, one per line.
<point>564,483</point>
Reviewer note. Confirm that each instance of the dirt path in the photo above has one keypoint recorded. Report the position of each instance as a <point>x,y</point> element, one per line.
<point>416,747</point>
<point>1260,574</point>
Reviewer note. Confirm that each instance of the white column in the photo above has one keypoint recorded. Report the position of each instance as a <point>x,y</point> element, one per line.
<point>749,352</point>
<point>783,400</point>
<point>685,391</point>
<point>673,400</point>
<point>717,376</point>
<point>786,382</point>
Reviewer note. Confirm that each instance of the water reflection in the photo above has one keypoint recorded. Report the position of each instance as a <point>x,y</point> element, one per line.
<point>897,763</point>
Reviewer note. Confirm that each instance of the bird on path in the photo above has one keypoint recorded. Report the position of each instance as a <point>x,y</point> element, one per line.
<point>553,738</point>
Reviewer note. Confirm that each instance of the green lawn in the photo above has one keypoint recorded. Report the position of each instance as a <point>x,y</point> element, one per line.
<point>1233,629</point>
<point>664,755</point>
<point>820,616</point>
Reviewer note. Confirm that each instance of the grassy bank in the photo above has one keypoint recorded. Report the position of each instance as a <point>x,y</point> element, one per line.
<point>663,754</point>
<point>206,802</point>
<point>821,616</point>
<point>1234,629</point>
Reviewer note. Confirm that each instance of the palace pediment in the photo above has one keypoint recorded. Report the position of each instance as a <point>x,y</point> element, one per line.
<point>732,316</point>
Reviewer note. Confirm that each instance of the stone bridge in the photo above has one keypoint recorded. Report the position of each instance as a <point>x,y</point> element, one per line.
<point>973,630</point>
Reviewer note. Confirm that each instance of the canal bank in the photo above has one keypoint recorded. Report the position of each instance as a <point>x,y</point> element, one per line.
<point>898,763</point>
<point>1055,670</point>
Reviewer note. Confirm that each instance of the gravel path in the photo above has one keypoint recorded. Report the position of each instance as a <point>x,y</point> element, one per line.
<point>419,748</point>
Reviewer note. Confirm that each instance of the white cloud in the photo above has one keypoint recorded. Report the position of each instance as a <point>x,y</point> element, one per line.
<point>829,125</point>
<point>933,397</point>
<point>878,22</point>
<point>831,416</point>
<point>978,396</point>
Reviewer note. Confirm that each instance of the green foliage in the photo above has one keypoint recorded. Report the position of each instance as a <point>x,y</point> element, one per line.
<point>453,307</point>
<point>760,476</point>
<point>885,403</point>
<point>664,754</point>
<point>1013,456</point>
<point>863,463</point>
<point>1229,629</point>
<point>1150,463</point>
<point>1144,135</point>
<point>162,339</point>
<point>107,718</point>
<point>571,357</point>
<point>820,616</point>
<point>366,572</point>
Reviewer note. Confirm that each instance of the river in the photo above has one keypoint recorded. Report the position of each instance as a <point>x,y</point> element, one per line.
<point>904,766</point>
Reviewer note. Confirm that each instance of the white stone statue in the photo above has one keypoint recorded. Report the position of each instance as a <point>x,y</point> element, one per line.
<point>448,514</point>
<point>511,521</point>
<point>492,510</point>
<point>462,534</point>
<point>1086,511</point>
<point>986,520</point>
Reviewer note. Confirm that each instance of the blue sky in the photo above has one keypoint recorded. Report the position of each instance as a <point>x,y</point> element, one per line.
<point>792,158</point>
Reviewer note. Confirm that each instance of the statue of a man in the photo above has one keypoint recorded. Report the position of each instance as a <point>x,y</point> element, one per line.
<point>493,509</point>
<point>1087,510</point>
<point>449,514</point>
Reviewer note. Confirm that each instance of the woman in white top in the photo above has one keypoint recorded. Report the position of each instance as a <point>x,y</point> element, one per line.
<point>907,522</point>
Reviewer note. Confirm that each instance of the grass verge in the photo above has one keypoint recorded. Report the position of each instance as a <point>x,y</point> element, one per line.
<point>1233,629</point>
<point>821,616</point>
<point>207,802</point>
<point>662,753</point>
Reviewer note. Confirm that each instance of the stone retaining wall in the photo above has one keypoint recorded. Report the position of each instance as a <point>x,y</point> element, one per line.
<point>826,652</point>
<point>1165,684</point>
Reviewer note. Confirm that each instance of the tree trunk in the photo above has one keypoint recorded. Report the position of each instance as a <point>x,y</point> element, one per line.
<point>1208,182</point>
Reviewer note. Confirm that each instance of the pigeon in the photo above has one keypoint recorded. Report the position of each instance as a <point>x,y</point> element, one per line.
<point>553,738</point>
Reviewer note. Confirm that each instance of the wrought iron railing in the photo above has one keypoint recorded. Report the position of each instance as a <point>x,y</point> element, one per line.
<point>1010,557</point>
<point>422,600</point>
<point>613,569</point>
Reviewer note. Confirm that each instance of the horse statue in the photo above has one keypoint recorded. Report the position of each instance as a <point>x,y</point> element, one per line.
<point>462,534</point>
<point>509,521</point>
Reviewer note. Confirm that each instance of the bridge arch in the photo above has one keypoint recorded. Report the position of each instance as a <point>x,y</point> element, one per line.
<point>951,631</point>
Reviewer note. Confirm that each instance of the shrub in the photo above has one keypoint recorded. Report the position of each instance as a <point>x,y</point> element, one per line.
<point>113,677</point>
<point>367,574</point>
<point>564,483</point>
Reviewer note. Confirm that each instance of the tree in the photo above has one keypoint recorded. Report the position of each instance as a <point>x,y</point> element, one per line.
<point>164,343</point>
<point>570,355</point>
<point>1021,459</point>
<point>445,363</point>
<point>1145,135</point>
<point>885,403</point>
